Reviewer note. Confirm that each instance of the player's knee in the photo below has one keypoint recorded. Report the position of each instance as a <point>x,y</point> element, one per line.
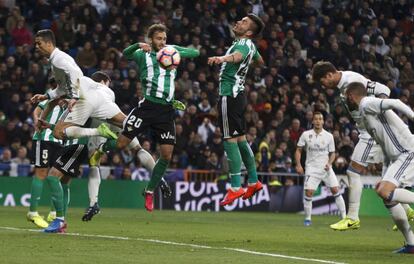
<point>309,193</point>
<point>384,192</point>
<point>58,132</point>
<point>334,190</point>
<point>355,168</point>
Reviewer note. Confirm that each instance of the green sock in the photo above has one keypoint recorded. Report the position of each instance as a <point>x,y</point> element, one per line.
<point>36,192</point>
<point>56,192</point>
<point>234,160</point>
<point>157,173</point>
<point>66,198</point>
<point>248,160</point>
<point>109,145</point>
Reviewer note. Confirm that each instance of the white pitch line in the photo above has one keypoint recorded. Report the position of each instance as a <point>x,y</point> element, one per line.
<point>180,244</point>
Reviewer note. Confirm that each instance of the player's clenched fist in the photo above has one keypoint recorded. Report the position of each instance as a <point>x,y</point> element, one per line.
<point>215,60</point>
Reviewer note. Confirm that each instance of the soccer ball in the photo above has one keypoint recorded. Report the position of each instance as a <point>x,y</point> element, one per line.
<point>168,58</point>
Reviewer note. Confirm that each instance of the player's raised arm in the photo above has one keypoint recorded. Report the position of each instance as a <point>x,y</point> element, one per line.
<point>132,51</point>
<point>379,105</point>
<point>234,57</point>
<point>381,90</point>
<point>257,59</point>
<point>187,52</point>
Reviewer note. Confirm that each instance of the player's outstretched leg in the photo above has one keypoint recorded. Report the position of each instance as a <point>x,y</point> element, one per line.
<point>410,215</point>
<point>400,219</point>
<point>90,212</point>
<point>234,160</point>
<point>36,191</point>
<point>58,225</point>
<point>254,185</point>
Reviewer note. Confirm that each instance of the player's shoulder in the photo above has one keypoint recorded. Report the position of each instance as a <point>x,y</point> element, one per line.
<point>306,133</point>
<point>327,133</point>
<point>352,76</point>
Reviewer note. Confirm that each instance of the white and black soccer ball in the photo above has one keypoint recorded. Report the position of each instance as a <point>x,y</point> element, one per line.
<point>168,58</point>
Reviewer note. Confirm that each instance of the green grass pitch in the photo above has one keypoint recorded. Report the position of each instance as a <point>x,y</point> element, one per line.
<point>135,236</point>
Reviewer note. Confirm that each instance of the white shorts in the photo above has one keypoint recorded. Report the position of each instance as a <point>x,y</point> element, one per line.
<point>94,102</point>
<point>313,180</point>
<point>401,171</point>
<point>367,152</point>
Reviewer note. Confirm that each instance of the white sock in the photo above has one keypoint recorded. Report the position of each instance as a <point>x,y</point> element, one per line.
<point>340,203</point>
<point>52,213</point>
<point>400,219</point>
<point>33,213</point>
<point>94,181</point>
<point>78,132</point>
<point>401,195</point>
<point>146,160</point>
<point>134,144</point>
<point>406,207</point>
<point>355,191</point>
<point>307,207</point>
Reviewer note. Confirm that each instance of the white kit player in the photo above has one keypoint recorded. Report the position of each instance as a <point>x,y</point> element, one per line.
<point>366,151</point>
<point>397,143</point>
<point>84,97</point>
<point>320,154</point>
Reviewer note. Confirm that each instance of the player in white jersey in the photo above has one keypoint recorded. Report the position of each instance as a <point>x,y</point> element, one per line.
<point>84,97</point>
<point>397,143</point>
<point>320,154</point>
<point>366,151</point>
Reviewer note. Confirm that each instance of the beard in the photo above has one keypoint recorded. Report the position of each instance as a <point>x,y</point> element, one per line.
<point>352,106</point>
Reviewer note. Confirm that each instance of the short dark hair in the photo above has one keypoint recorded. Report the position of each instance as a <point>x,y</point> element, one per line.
<point>356,88</point>
<point>156,28</point>
<point>100,76</point>
<point>321,69</point>
<point>47,35</point>
<point>258,25</point>
<point>317,113</point>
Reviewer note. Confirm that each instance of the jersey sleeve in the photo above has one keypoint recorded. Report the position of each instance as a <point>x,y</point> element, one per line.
<point>331,145</point>
<point>42,104</point>
<point>256,55</point>
<point>243,49</point>
<point>370,105</point>
<point>381,89</point>
<point>73,74</point>
<point>396,104</point>
<point>129,51</point>
<point>301,142</point>
<point>187,52</point>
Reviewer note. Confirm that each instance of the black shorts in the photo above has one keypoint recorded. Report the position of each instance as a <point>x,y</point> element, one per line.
<point>45,153</point>
<point>231,115</point>
<point>71,158</point>
<point>158,117</point>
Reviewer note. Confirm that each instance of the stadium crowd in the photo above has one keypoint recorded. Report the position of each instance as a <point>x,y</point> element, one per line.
<point>376,40</point>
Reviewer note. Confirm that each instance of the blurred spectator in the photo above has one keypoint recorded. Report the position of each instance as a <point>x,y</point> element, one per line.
<point>374,38</point>
<point>6,159</point>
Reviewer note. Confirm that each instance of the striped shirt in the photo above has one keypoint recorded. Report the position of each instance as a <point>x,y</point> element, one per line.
<point>51,118</point>
<point>157,82</point>
<point>233,75</point>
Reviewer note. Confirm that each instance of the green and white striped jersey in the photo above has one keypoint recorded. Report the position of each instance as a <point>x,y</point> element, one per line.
<point>157,82</point>
<point>52,118</point>
<point>76,141</point>
<point>233,75</point>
